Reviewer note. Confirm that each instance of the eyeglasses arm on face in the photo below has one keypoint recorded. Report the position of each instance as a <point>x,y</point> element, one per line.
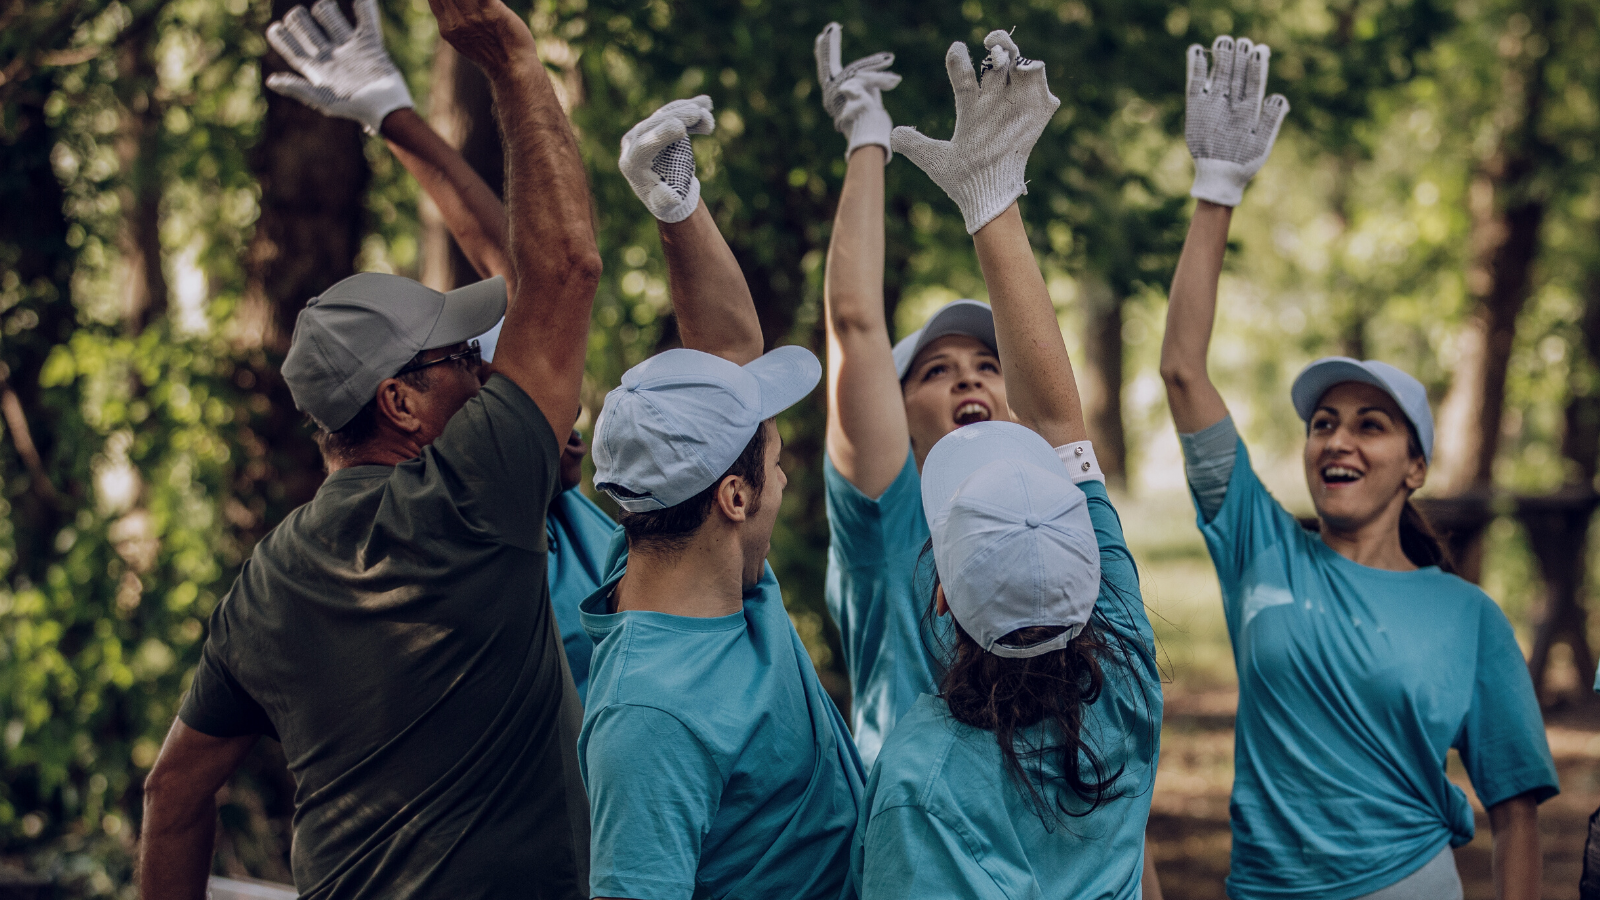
<point>473,353</point>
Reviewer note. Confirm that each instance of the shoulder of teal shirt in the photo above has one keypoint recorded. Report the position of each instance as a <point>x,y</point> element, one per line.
<point>866,531</point>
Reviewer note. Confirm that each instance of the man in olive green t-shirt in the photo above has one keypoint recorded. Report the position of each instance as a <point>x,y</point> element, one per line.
<point>395,633</point>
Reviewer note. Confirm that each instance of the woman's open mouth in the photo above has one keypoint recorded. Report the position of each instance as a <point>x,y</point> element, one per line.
<point>972,411</point>
<point>1337,475</point>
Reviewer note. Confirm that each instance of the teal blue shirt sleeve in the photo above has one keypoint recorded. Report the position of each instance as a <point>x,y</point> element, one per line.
<point>654,790</point>
<point>1502,741</point>
<point>911,853</point>
<point>1251,524</point>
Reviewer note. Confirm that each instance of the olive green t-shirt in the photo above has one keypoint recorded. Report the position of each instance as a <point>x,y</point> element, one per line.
<point>396,635</point>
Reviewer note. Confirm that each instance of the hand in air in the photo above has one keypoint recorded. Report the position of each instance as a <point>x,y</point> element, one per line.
<point>1227,126</point>
<point>998,120</point>
<point>658,161</point>
<point>853,95</point>
<point>344,70</point>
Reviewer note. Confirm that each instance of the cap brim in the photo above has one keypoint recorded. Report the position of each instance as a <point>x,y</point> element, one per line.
<point>468,312</point>
<point>966,450</point>
<point>1315,380</point>
<point>965,317</point>
<point>786,376</point>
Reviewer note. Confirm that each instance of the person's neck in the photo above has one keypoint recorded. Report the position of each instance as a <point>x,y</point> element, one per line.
<point>703,580</point>
<point>1374,543</point>
<point>391,452</point>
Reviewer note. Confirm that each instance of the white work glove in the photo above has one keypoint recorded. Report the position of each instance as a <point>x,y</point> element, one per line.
<point>347,73</point>
<point>1228,128</point>
<point>658,161</point>
<point>853,95</point>
<point>997,122</point>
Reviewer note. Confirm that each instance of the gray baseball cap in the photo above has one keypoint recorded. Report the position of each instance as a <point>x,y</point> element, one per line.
<point>1012,539</point>
<point>1315,380</point>
<point>367,327</point>
<point>968,317</point>
<point>682,417</point>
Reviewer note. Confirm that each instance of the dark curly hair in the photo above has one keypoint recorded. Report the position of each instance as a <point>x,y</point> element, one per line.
<point>1011,695</point>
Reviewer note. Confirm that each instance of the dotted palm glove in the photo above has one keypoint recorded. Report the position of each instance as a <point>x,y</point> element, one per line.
<point>344,70</point>
<point>658,161</point>
<point>1227,126</point>
<point>997,122</point>
<point>853,95</point>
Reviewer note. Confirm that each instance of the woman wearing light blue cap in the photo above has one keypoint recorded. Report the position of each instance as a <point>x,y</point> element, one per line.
<point>1030,773</point>
<point>1361,660</point>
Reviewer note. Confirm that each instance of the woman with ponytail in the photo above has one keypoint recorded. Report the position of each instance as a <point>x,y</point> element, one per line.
<point>1030,773</point>
<point>1361,659</point>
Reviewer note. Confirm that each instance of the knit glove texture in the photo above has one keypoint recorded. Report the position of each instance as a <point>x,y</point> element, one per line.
<point>1227,126</point>
<point>998,120</point>
<point>344,70</point>
<point>658,161</point>
<point>853,95</point>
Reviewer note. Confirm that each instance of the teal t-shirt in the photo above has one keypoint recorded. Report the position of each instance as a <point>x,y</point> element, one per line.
<point>579,534</point>
<point>943,818</point>
<point>1354,682</point>
<point>879,586</point>
<point>716,764</point>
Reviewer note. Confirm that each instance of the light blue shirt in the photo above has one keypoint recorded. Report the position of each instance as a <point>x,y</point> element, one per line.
<point>943,817</point>
<point>1354,682</point>
<point>716,765</point>
<point>879,587</point>
<point>579,534</point>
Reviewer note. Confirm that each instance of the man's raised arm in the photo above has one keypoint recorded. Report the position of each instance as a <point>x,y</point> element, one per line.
<point>550,223</point>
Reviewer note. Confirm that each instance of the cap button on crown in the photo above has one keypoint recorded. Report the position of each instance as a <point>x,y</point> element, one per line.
<point>1031,521</point>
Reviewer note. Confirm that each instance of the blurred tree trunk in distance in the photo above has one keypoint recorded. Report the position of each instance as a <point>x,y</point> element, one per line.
<point>1507,206</point>
<point>142,283</point>
<point>460,108</point>
<point>313,174</point>
<point>1101,375</point>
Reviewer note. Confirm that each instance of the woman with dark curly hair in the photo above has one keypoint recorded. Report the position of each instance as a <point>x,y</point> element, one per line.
<point>1030,773</point>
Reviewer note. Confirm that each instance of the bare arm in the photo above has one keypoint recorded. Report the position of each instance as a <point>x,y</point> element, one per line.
<point>1191,311</point>
<point>475,216</point>
<point>550,223</point>
<point>1040,387</point>
<point>709,294</point>
<point>180,811</point>
<point>1518,864</point>
<point>867,433</point>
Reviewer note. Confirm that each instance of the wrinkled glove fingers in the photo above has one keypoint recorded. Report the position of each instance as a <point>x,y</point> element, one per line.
<point>306,32</point>
<point>1272,113</point>
<point>874,82</point>
<point>1254,84</point>
<point>696,115</point>
<point>1003,52</point>
<point>827,50</point>
<point>1242,57</point>
<point>958,63</point>
<point>332,20</point>
<point>648,144</point>
<point>281,40</point>
<point>877,62</point>
<point>1222,63</point>
<point>367,18</point>
<point>1197,78</point>
<point>297,88</point>
<point>922,150</point>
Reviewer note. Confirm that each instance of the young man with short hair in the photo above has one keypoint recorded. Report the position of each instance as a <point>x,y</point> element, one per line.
<point>395,633</point>
<point>716,764</point>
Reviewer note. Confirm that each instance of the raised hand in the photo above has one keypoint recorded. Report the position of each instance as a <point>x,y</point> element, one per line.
<point>658,161</point>
<point>853,95</point>
<point>344,70</point>
<point>998,120</point>
<point>1227,126</point>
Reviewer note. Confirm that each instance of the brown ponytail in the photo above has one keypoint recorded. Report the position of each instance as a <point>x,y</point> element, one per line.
<point>1420,542</point>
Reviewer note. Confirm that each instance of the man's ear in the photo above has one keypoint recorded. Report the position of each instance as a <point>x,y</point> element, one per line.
<point>397,403</point>
<point>734,498</point>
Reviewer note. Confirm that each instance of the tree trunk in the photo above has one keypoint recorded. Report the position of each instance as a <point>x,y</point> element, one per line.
<point>1507,210</point>
<point>140,279</point>
<point>461,110</point>
<point>1101,376</point>
<point>313,177</point>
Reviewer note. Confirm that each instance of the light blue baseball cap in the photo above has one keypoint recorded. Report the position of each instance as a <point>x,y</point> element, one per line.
<point>682,417</point>
<point>968,317</point>
<point>1012,539</point>
<point>1315,380</point>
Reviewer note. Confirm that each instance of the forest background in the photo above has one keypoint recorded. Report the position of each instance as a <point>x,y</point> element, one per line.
<point>1434,201</point>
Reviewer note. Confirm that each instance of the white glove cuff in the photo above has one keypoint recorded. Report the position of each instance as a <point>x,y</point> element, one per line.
<point>1081,462</point>
<point>383,98</point>
<point>1219,182</point>
<point>665,205</point>
<point>872,127</point>
<point>988,194</point>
